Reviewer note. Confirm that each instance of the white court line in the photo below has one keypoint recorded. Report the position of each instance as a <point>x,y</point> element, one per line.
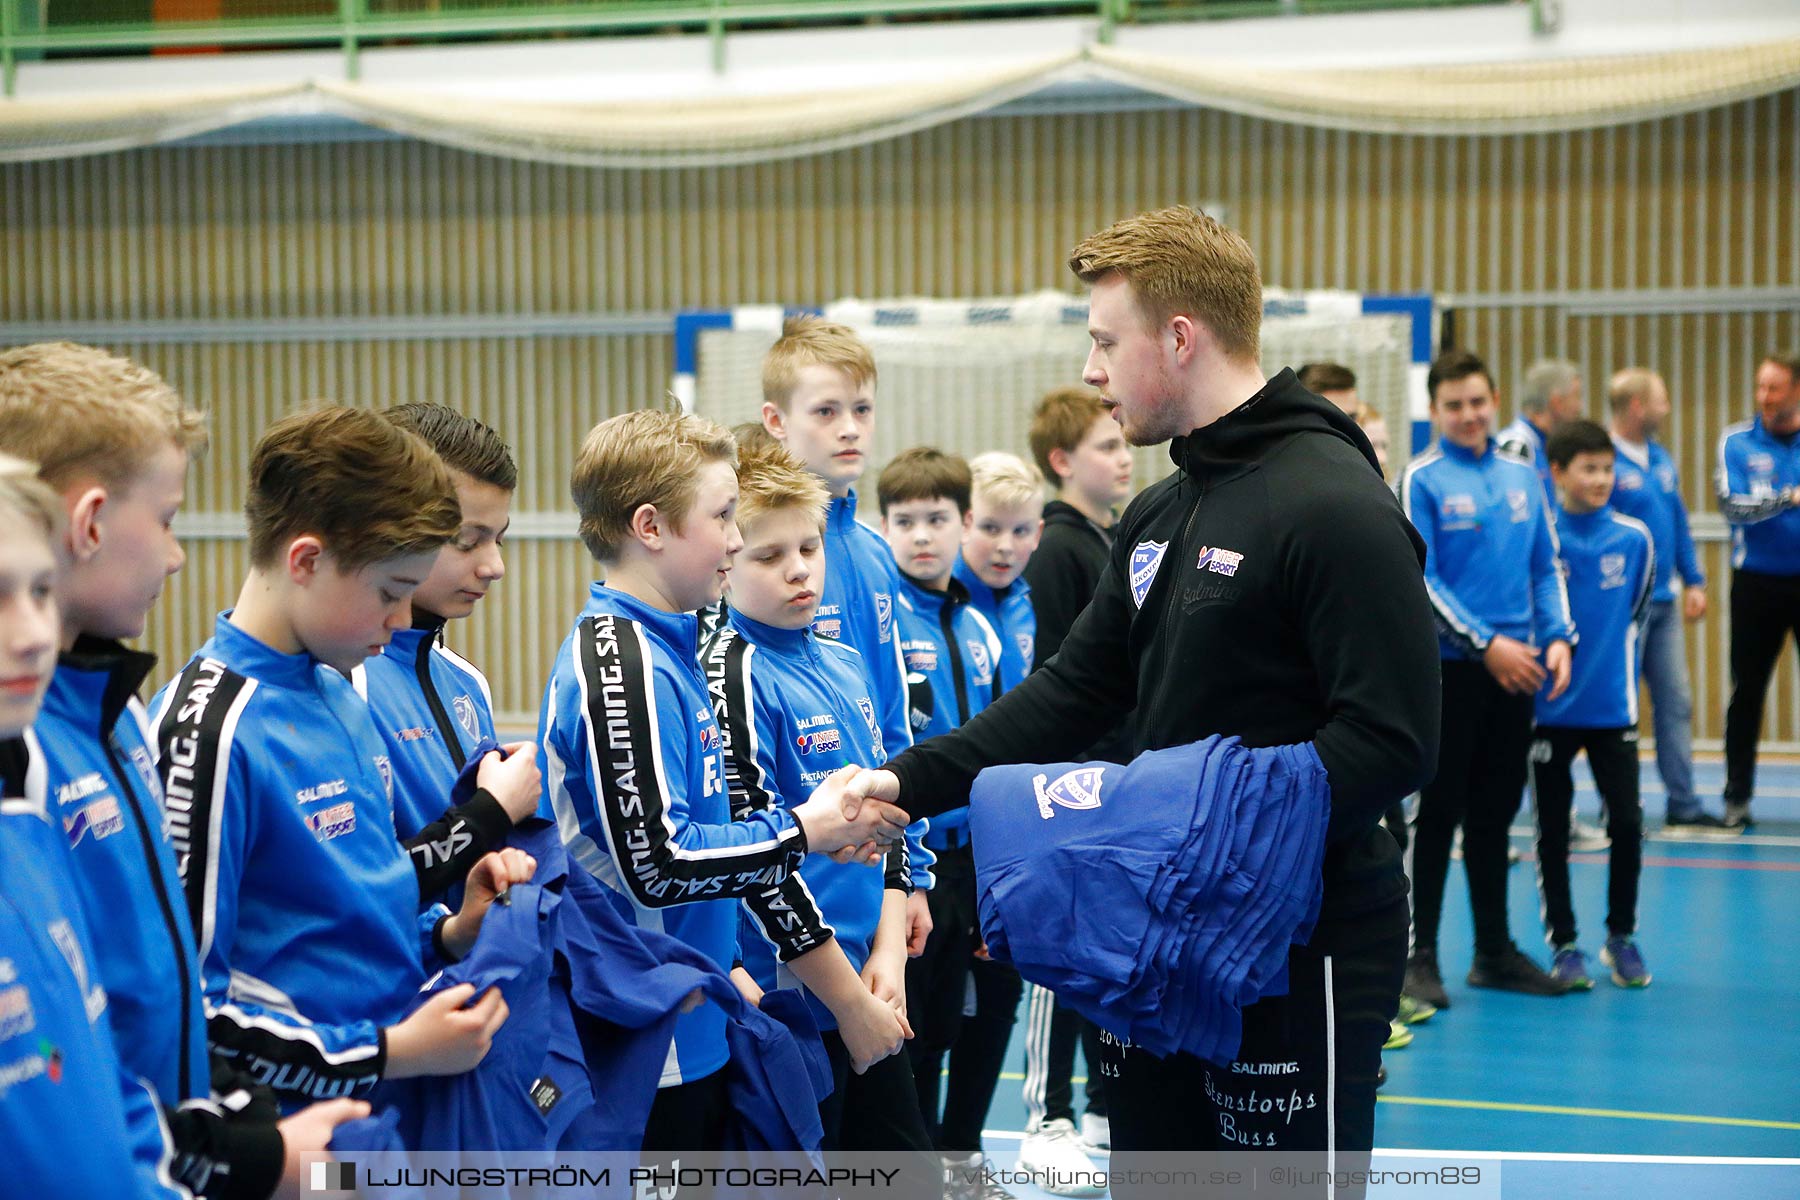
<point>1008,1135</point>
<point>1780,841</point>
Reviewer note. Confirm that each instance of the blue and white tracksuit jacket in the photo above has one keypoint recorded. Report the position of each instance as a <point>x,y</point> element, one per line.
<point>634,769</point>
<point>74,1122</point>
<point>1483,517</point>
<point>108,800</point>
<point>432,708</point>
<point>279,794</point>
<point>952,655</point>
<point>1611,560</point>
<point>795,707</point>
<point>1646,486</point>
<point>1526,442</point>
<point>1756,469</point>
<point>1010,612</point>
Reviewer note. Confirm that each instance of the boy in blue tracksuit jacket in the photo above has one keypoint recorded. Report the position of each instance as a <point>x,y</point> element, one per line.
<point>631,750</point>
<point>1758,482</point>
<point>794,708</point>
<point>1612,570</point>
<point>74,1120</point>
<point>1006,519</point>
<point>279,788</point>
<point>1496,584</point>
<point>819,403</point>
<point>121,442</point>
<point>431,705</point>
<point>953,656</point>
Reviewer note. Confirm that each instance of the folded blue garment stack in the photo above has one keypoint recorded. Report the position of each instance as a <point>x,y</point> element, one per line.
<point>1158,899</point>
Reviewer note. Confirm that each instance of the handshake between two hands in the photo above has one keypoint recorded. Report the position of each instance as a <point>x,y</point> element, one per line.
<point>852,816</point>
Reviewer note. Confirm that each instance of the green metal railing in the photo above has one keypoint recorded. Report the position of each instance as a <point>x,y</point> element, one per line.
<point>35,29</point>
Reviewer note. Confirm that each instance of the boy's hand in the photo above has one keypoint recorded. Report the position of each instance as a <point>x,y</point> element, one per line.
<point>746,986</point>
<point>1556,658</point>
<point>511,776</point>
<point>491,875</point>
<point>443,1037</point>
<point>829,827</point>
<point>309,1132</point>
<point>885,977</point>
<point>872,1030</point>
<point>918,923</point>
<point>1514,665</point>
<point>868,785</point>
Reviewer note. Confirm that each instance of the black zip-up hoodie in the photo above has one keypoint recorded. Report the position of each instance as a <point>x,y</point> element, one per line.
<point>1271,588</point>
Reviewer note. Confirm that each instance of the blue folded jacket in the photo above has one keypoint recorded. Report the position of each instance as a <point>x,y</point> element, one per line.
<point>1160,898</point>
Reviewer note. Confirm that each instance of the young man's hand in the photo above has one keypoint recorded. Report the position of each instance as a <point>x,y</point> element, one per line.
<point>491,875</point>
<point>918,923</point>
<point>443,1037</point>
<point>885,977</point>
<point>1514,665</point>
<point>511,776</point>
<point>1557,659</point>
<point>867,785</point>
<point>309,1132</point>
<point>1693,603</point>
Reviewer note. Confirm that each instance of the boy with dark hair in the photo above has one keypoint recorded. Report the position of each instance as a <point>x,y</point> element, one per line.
<point>952,655</point>
<point>431,705</point>
<point>1334,381</point>
<point>1611,571</point>
<point>793,709</point>
<point>633,752</point>
<point>1482,515</point>
<point>280,791</point>
<point>115,441</point>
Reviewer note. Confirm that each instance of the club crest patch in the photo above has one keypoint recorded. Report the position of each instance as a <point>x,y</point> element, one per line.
<point>1146,557</point>
<point>465,716</point>
<point>1077,789</point>
<point>978,658</point>
<point>884,617</point>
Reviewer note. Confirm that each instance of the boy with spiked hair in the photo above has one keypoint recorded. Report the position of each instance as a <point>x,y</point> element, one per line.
<point>280,790</point>
<point>794,708</point>
<point>633,752</point>
<point>431,705</point>
<point>113,441</point>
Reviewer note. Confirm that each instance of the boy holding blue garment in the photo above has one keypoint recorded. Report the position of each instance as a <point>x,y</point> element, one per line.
<point>633,753</point>
<point>1611,564</point>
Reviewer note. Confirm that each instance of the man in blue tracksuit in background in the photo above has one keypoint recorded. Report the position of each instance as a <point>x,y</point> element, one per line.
<point>1646,486</point>
<point>794,708</point>
<point>1496,585</point>
<point>1611,572</point>
<point>1759,494</point>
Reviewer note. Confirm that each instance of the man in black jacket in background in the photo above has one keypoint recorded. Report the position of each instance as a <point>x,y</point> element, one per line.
<point>1271,588</point>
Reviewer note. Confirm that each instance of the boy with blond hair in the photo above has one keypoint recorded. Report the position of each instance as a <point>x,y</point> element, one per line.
<point>280,790</point>
<point>45,944</point>
<point>819,403</point>
<point>633,752</point>
<point>793,708</point>
<point>113,441</point>
<point>1006,519</point>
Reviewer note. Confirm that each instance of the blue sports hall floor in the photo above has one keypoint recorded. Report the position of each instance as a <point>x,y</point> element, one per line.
<point>1688,1088</point>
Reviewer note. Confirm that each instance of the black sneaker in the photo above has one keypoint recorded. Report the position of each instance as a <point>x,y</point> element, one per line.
<point>1700,825</point>
<point>1513,971</point>
<point>1423,980</point>
<point>1737,815</point>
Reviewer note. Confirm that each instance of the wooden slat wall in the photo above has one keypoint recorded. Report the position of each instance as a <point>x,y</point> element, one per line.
<point>986,206</point>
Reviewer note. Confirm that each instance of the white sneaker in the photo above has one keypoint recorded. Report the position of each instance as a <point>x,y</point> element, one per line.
<point>1056,1157</point>
<point>1096,1132</point>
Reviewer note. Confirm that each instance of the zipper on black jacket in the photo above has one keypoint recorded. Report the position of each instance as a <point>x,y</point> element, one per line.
<point>945,613</point>
<point>168,914</point>
<point>446,730</point>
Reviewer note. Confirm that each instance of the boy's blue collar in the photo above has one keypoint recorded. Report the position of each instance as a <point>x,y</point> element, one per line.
<point>251,656</point>
<point>762,634</point>
<point>1463,453</point>
<point>678,629</point>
